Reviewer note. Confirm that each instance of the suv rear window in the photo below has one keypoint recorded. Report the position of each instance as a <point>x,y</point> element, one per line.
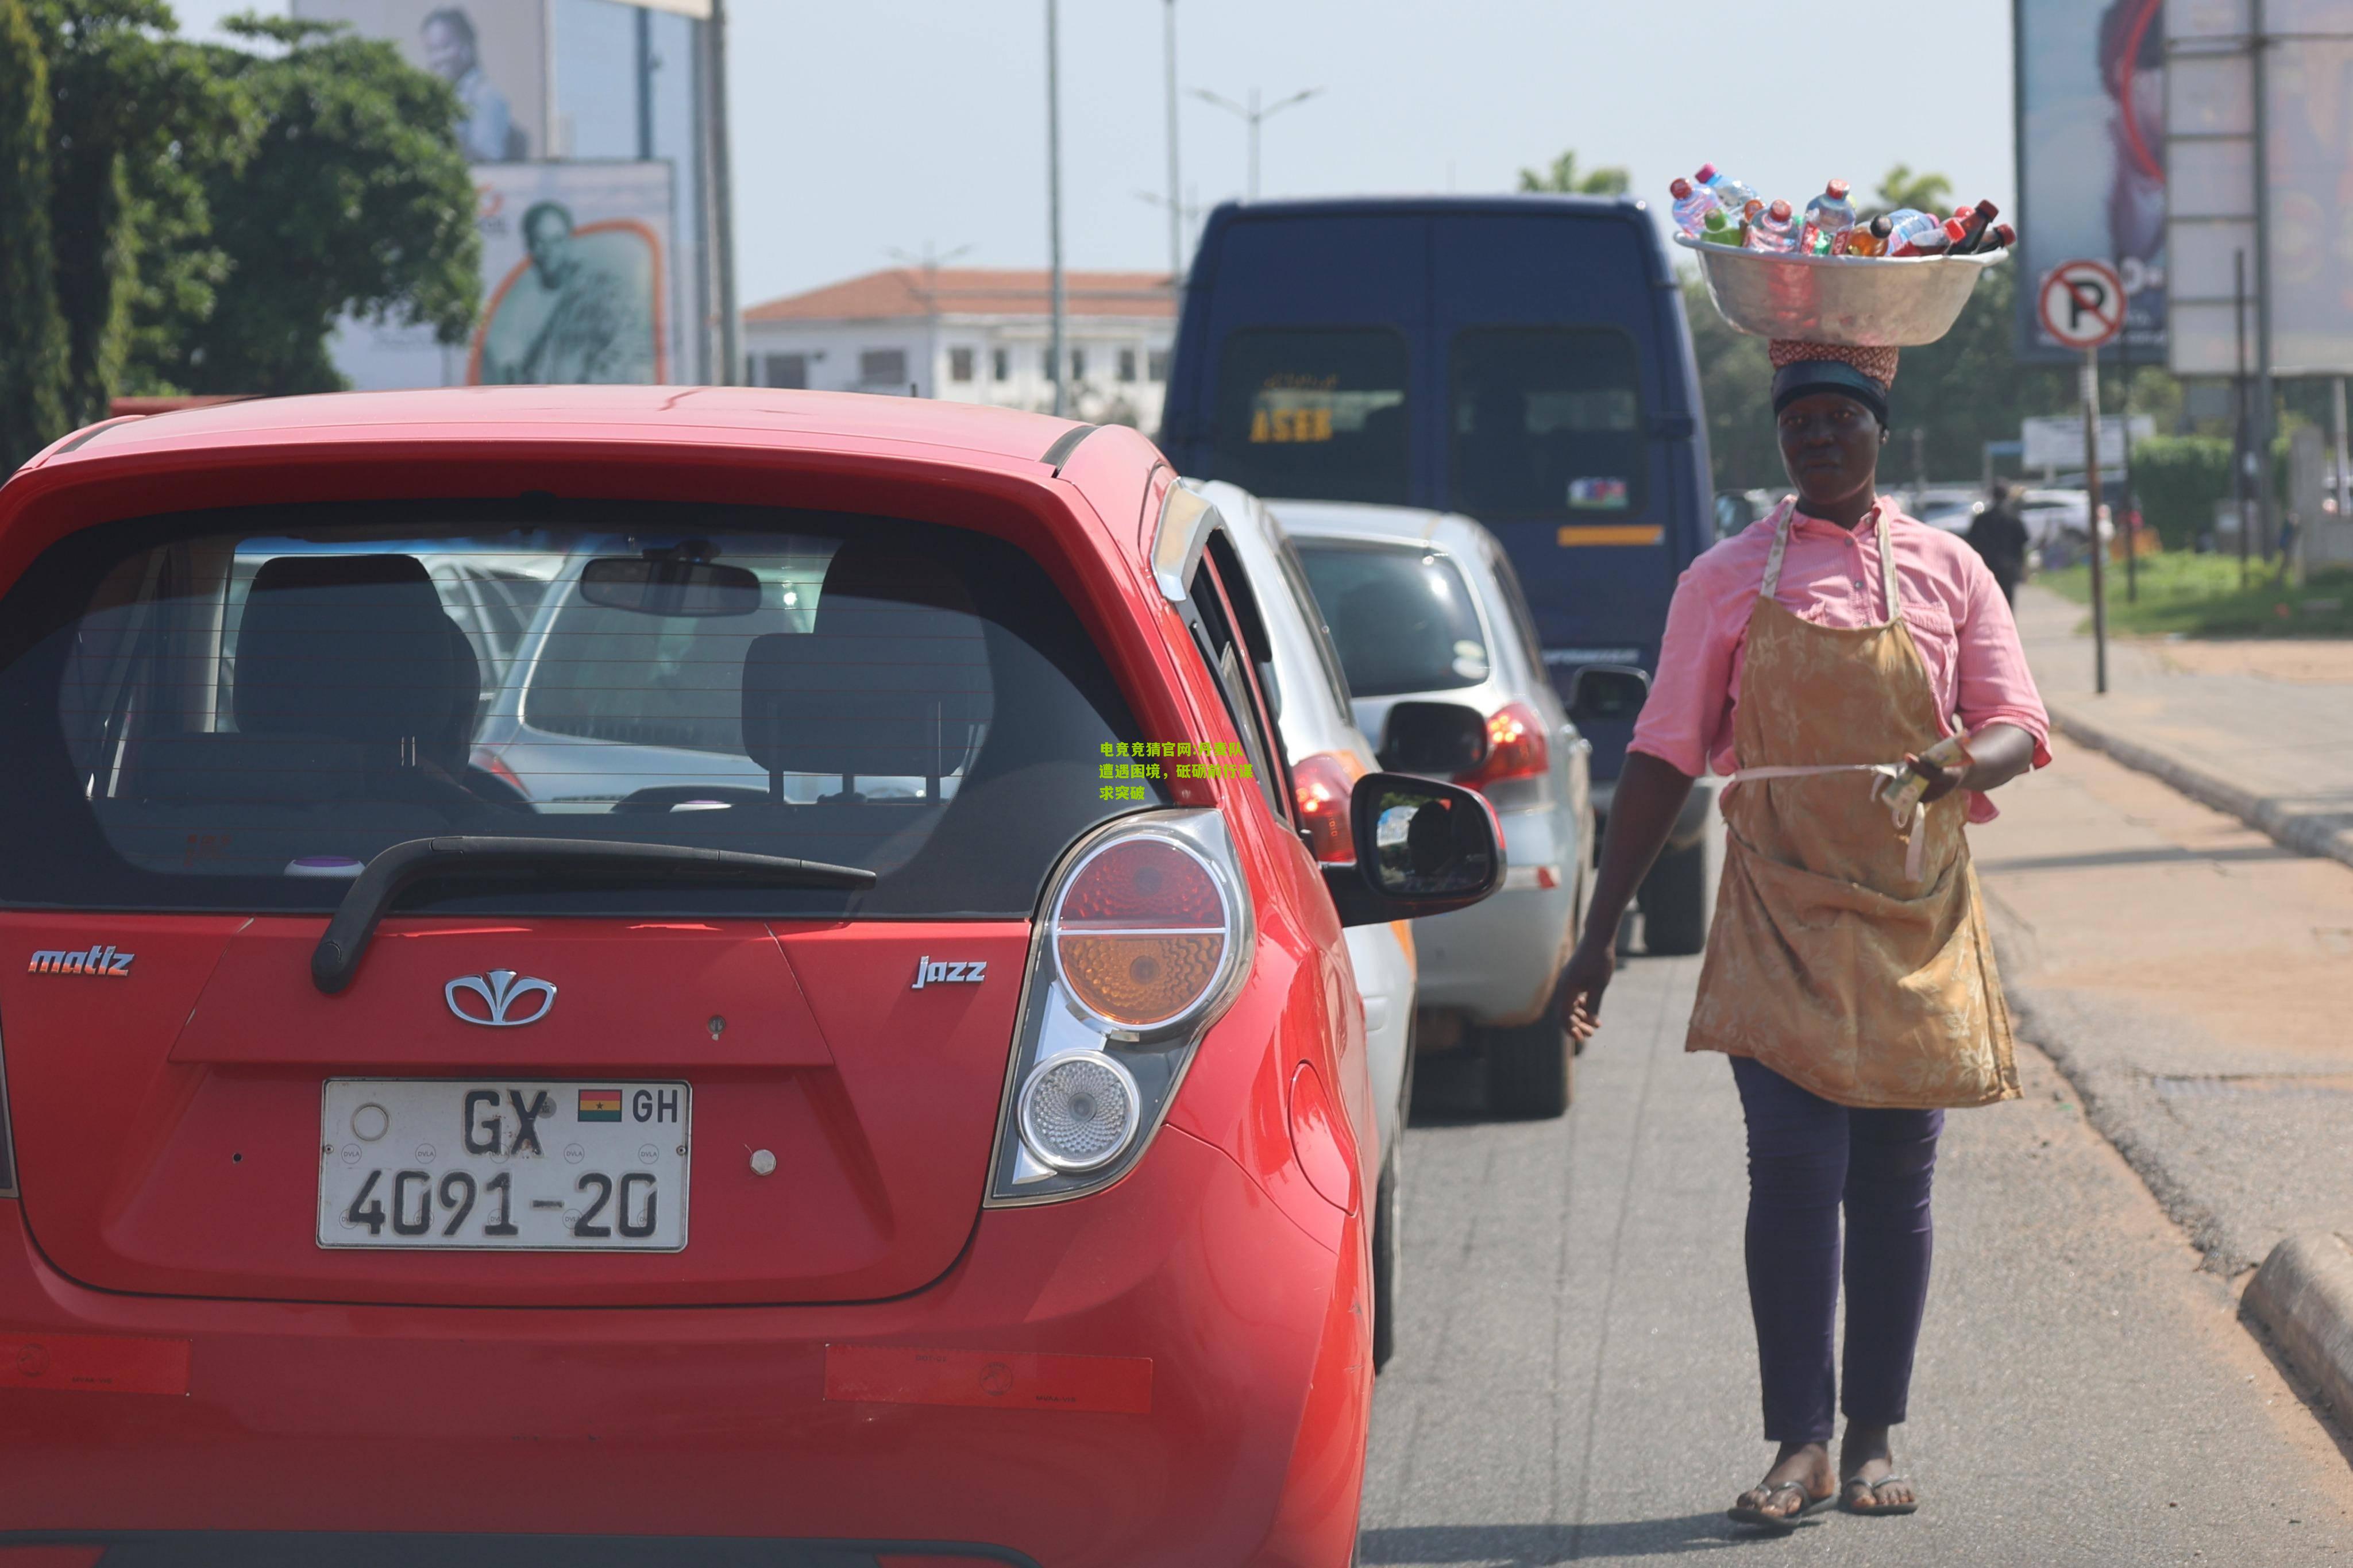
<point>1314,414</point>
<point>1547,424</point>
<point>234,711</point>
<point>1401,615</point>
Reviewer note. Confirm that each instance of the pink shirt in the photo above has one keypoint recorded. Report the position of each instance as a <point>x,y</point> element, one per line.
<point>1829,575</point>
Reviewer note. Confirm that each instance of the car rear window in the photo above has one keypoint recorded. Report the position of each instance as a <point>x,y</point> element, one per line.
<point>1400,614</point>
<point>1547,424</point>
<point>234,710</point>
<point>1314,414</point>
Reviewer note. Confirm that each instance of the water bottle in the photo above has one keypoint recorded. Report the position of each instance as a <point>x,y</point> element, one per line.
<point>1730,193</point>
<point>1910,232</point>
<point>1829,215</point>
<point>1775,228</point>
<point>1719,230</point>
<point>1693,206</point>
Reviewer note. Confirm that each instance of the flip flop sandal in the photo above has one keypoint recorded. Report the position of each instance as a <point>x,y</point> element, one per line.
<point>1780,1523</point>
<point>1848,1488</point>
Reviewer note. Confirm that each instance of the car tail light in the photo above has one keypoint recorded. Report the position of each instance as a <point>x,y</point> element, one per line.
<point>491,763</point>
<point>1144,943</point>
<point>1515,748</point>
<point>1321,784</point>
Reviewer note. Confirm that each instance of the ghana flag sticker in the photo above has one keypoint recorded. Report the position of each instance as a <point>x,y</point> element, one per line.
<point>600,1105</point>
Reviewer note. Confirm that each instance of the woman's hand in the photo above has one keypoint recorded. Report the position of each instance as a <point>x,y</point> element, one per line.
<point>1995,755</point>
<point>1582,984</point>
<point>1943,780</point>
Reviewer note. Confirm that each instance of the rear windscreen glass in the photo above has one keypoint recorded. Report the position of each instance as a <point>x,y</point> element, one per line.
<point>1547,424</point>
<point>237,710</point>
<point>1401,617</point>
<point>1313,414</point>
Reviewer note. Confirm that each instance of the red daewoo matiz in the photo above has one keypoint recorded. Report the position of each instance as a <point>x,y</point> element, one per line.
<point>656,976</point>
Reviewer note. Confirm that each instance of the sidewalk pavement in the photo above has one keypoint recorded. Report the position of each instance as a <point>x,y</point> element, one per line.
<point>2188,967</point>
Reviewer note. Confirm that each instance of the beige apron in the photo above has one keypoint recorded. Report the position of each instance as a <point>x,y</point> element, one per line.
<point>1826,962</point>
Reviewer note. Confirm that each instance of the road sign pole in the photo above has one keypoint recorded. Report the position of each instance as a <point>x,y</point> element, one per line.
<point>2091,376</point>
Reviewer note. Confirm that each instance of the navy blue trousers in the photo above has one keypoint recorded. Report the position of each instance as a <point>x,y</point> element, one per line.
<point>1808,1157</point>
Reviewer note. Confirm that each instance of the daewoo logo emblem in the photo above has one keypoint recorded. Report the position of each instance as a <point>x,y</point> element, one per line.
<point>504,994</point>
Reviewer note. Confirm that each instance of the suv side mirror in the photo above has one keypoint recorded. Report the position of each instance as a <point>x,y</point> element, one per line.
<point>1607,691</point>
<point>1422,848</point>
<point>1445,739</point>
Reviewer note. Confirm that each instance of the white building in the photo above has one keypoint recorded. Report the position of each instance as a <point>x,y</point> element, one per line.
<point>973,335</point>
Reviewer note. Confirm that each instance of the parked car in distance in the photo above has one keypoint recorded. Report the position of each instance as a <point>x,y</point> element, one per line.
<point>1442,662</point>
<point>1328,755</point>
<point>1951,507</point>
<point>1523,359</point>
<point>712,1174</point>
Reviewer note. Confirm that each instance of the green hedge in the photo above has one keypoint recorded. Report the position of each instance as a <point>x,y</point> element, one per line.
<point>2179,478</point>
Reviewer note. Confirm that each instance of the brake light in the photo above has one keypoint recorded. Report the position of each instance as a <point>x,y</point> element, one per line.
<point>1515,748</point>
<point>1321,784</point>
<point>1140,933</point>
<point>491,763</point>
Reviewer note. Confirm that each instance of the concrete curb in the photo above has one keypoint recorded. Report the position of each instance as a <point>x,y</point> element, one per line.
<point>2323,834</point>
<point>2303,1295</point>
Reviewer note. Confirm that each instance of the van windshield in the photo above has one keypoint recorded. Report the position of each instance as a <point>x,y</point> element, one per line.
<point>236,710</point>
<point>1400,614</point>
<point>1314,414</point>
<point>1547,424</point>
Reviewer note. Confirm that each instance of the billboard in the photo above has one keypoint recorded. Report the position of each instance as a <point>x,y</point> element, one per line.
<point>493,52</point>
<point>2091,106</point>
<point>576,275</point>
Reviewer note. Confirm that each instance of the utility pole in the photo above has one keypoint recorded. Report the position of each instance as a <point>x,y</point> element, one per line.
<point>2090,388</point>
<point>723,202</point>
<point>1176,208</point>
<point>1056,358</point>
<point>2259,48</point>
<point>1254,116</point>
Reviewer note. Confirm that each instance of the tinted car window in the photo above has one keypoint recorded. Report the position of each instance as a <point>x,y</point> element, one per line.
<point>1546,423</point>
<point>1314,414</point>
<point>1401,615</point>
<point>233,711</point>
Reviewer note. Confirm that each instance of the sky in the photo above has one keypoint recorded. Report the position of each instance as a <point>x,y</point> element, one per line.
<point>870,126</point>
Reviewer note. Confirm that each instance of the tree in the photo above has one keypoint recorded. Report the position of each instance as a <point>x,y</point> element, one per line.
<point>1563,178</point>
<point>32,330</point>
<point>1902,188</point>
<point>354,199</point>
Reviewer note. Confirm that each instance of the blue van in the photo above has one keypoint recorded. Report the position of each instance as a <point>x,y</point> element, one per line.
<point>1523,359</point>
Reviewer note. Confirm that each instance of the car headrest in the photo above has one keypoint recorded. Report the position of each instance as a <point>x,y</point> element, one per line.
<point>355,648</point>
<point>893,681</point>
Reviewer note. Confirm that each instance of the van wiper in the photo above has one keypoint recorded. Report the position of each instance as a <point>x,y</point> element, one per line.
<point>337,957</point>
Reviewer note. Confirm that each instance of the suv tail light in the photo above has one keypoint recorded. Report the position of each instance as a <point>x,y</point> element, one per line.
<point>1144,943</point>
<point>1515,748</point>
<point>1322,784</point>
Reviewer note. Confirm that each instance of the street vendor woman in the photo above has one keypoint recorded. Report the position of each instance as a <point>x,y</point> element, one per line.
<point>1848,974</point>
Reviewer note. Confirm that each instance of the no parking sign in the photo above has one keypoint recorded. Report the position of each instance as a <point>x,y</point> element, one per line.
<point>2082,304</point>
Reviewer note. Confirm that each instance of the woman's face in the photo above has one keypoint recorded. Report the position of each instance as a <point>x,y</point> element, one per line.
<point>1831,444</point>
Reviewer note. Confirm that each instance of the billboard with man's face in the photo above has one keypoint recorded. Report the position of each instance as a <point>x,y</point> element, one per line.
<point>576,262</point>
<point>493,52</point>
<point>2091,154</point>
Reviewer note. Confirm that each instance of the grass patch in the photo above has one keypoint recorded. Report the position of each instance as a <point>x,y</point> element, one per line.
<point>2199,595</point>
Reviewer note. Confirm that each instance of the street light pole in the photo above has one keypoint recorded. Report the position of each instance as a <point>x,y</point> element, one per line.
<point>1176,208</point>
<point>723,202</point>
<point>1254,116</point>
<point>1054,352</point>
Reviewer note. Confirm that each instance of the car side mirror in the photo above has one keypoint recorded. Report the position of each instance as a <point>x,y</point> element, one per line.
<point>1422,848</point>
<point>665,586</point>
<point>1601,692</point>
<point>1444,739</point>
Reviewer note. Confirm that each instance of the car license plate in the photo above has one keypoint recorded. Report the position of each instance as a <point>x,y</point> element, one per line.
<point>503,1164</point>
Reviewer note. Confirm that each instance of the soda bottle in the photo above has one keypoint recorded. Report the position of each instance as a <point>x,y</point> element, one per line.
<point>1912,231</point>
<point>1731,192</point>
<point>1717,229</point>
<point>1830,215</point>
<point>1973,222</point>
<point>1870,239</point>
<point>1775,228</point>
<point>1692,205</point>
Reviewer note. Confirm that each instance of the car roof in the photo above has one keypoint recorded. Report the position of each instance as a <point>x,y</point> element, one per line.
<point>1364,520</point>
<point>497,411</point>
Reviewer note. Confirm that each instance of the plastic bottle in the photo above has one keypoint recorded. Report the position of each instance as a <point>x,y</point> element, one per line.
<point>1692,205</point>
<point>1829,215</point>
<point>1973,222</point>
<point>1719,230</point>
<point>1912,231</point>
<point>1775,228</point>
<point>1732,194</point>
<point>1870,239</point>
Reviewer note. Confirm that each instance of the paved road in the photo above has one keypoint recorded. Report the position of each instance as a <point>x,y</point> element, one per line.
<point>1575,1379</point>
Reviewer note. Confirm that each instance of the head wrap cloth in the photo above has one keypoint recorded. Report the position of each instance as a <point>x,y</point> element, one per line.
<point>1802,369</point>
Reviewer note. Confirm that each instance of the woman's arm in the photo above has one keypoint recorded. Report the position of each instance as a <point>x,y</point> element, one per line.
<point>1997,754</point>
<point>1650,796</point>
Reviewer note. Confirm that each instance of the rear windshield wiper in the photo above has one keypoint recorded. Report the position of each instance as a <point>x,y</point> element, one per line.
<point>337,956</point>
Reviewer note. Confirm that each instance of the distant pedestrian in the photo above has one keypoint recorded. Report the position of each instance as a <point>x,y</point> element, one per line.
<point>1999,535</point>
<point>1849,976</point>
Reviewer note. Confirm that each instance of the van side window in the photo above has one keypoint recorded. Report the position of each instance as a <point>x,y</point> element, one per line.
<point>1317,413</point>
<point>1215,623</point>
<point>1547,423</point>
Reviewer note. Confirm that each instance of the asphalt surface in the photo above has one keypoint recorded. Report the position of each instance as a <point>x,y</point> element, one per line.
<point>1575,1378</point>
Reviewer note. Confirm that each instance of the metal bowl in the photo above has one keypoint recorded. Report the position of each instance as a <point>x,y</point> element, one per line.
<point>1863,301</point>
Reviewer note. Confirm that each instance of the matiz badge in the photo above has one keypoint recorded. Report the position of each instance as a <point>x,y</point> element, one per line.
<point>91,961</point>
<point>930,971</point>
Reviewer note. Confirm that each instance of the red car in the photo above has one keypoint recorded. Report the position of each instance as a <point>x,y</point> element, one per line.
<point>916,1116</point>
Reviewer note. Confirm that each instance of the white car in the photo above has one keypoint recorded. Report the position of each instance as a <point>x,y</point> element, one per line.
<point>1327,754</point>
